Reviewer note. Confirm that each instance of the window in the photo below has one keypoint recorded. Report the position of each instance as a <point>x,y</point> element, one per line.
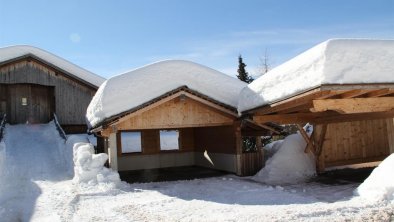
<point>169,140</point>
<point>131,142</point>
<point>24,101</point>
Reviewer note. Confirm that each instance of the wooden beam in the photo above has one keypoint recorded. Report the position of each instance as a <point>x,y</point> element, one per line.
<point>308,140</point>
<point>355,105</point>
<point>353,93</point>
<point>263,126</point>
<point>318,137</point>
<point>292,102</point>
<point>380,92</point>
<point>303,133</point>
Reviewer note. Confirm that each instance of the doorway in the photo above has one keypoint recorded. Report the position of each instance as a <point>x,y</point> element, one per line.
<point>27,103</point>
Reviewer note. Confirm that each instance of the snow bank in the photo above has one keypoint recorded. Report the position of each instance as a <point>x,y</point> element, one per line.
<point>89,167</point>
<point>337,61</point>
<point>380,184</point>
<point>12,52</point>
<point>271,148</point>
<point>289,164</point>
<point>2,157</point>
<point>131,89</point>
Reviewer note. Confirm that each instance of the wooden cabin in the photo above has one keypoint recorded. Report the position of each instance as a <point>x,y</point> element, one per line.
<point>352,109</point>
<point>35,85</point>
<point>185,126</point>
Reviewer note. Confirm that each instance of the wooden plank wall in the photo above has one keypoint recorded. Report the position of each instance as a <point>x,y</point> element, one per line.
<point>356,142</point>
<point>176,114</point>
<point>150,142</point>
<point>252,162</point>
<point>72,96</point>
<point>220,139</point>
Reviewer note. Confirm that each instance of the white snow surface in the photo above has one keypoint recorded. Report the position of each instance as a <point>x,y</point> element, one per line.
<point>38,187</point>
<point>336,61</point>
<point>89,167</point>
<point>290,164</point>
<point>134,88</point>
<point>12,52</point>
<point>380,184</point>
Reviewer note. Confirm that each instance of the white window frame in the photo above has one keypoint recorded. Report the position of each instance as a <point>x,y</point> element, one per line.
<point>166,146</point>
<point>125,145</point>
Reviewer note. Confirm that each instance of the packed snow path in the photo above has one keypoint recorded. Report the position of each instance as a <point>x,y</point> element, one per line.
<point>32,153</point>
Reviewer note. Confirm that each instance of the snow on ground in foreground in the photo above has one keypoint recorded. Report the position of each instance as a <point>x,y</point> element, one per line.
<point>41,189</point>
<point>380,184</point>
<point>290,164</point>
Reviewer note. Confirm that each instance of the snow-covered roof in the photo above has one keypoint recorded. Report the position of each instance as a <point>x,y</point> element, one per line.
<point>132,89</point>
<point>14,52</point>
<point>336,61</point>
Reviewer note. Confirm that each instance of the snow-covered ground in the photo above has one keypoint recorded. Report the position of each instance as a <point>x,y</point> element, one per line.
<point>39,187</point>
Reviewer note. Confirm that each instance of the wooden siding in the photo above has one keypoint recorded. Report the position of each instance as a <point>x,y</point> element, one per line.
<point>176,114</point>
<point>72,96</point>
<point>39,104</point>
<point>150,142</point>
<point>356,142</point>
<point>251,163</point>
<point>215,139</point>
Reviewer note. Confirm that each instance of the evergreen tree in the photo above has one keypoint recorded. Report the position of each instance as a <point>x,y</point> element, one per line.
<point>242,73</point>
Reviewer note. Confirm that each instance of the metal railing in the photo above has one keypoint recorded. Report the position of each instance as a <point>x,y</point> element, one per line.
<point>59,127</point>
<point>2,126</point>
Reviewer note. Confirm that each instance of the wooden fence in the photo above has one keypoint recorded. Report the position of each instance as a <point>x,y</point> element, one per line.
<point>251,162</point>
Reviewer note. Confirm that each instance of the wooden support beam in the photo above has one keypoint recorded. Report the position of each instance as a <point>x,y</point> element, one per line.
<point>355,105</point>
<point>318,138</point>
<point>292,102</point>
<point>353,93</point>
<point>263,126</point>
<point>380,92</point>
<point>238,147</point>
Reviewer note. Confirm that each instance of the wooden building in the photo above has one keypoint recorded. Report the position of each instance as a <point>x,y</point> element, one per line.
<point>185,126</point>
<point>351,112</point>
<point>35,85</point>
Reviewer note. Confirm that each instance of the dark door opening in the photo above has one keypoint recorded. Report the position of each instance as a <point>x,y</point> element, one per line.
<point>27,103</point>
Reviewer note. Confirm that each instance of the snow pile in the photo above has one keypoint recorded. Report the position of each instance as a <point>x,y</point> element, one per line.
<point>337,61</point>
<point>2,157</point>
<point>271,148</point>
<point>89,167</point>
<point>380,184</point>
<point>129,90</point>
<point>290,164</point>
<point>12,52</point>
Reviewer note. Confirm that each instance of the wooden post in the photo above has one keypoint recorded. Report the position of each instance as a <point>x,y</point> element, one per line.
<point>238,147</point>
<point>318,137</point>
<point>113,151</point>
<point>390,133</point>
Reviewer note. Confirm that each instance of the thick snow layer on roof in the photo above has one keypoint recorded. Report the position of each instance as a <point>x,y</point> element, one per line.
<point>337,61</point>
<point>12,52</point>
<point>131,89</point>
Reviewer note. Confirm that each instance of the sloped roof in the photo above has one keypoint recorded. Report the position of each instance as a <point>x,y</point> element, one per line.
<point>336,61</point>
<point>135,88</point>
<point>19,51</point>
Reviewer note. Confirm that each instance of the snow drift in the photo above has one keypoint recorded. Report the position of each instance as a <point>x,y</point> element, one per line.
<point>380,184</point>
<point>89,167</point>
<point>129,90</point>
<point>337,61</point>
<point>290,164</point>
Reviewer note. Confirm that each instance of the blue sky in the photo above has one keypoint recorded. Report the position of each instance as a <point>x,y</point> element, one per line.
<point>111,37</point>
